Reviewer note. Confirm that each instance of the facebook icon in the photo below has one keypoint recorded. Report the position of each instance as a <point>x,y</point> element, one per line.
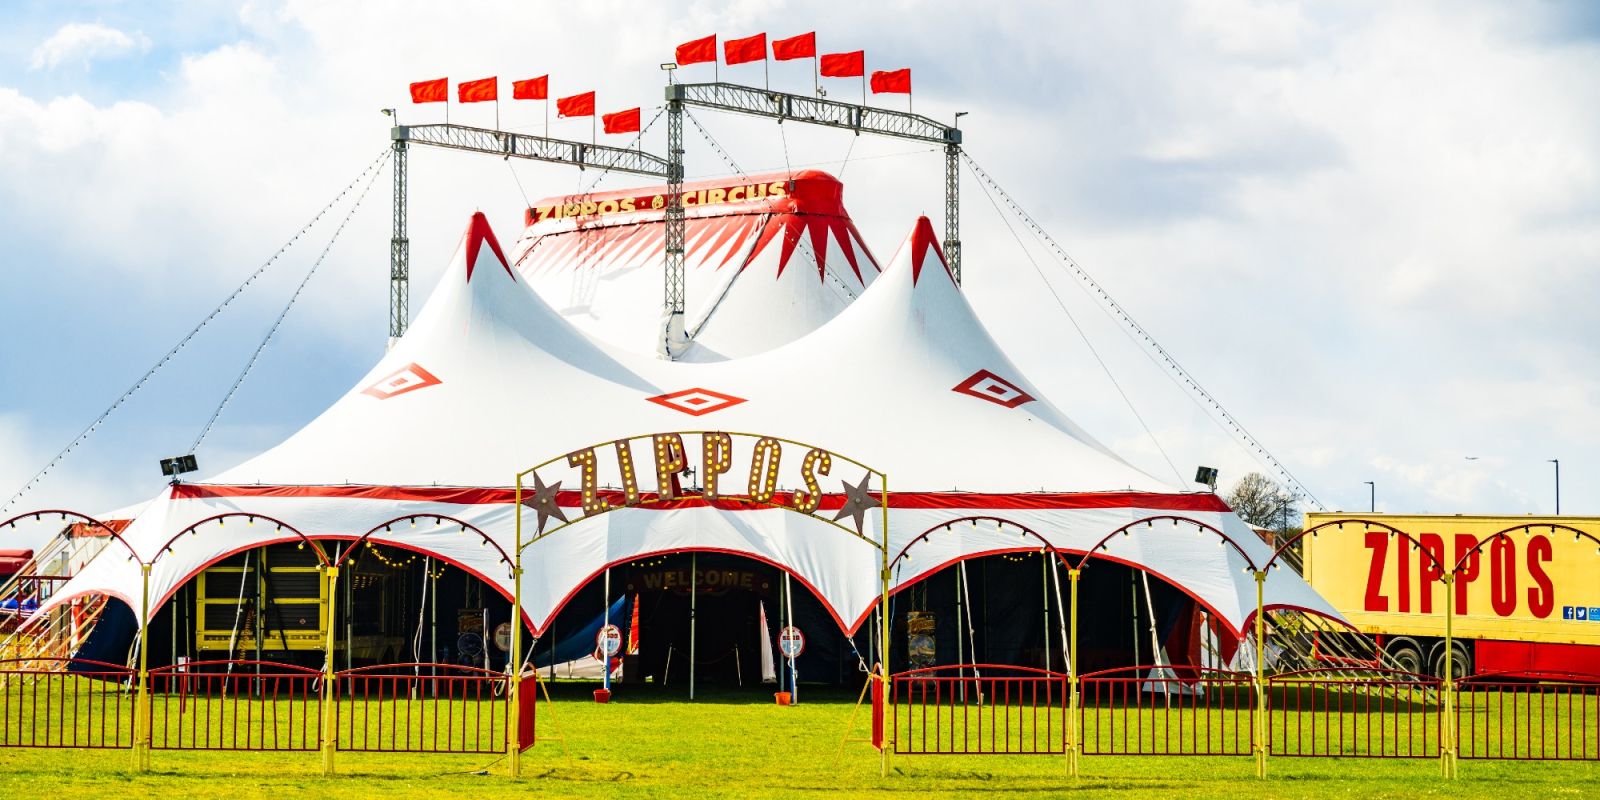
<point>1566,612</point>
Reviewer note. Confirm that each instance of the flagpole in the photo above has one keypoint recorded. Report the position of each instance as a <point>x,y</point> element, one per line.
<point>547,113</point>
<point>497,109</point>
<point>816,74</point>
<point>766,76</point>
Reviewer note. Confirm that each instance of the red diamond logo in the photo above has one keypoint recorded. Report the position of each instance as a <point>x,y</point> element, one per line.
<point>696,402</point>
<point>986,385</point>
<point>408,378</point>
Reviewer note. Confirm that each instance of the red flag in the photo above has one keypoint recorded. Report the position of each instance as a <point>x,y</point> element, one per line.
<point>578,105</point>
<point>478,91</point>
<point>802,46</point>
<point>531,89</point>
<point>434,91</point>
<point>621,121</point>
<point>750,48</point>
<point>844,65</point>
<point>697,51</point>
<point>892,82</point>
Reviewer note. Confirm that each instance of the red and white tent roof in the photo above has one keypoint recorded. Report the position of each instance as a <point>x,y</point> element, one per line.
<point>490,380</point>
<point>768,259</point>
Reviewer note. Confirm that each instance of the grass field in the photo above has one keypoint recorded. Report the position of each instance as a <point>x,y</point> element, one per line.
<point>651,743</point>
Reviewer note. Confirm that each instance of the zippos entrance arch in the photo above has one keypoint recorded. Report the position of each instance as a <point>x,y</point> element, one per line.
<point>686,491</point>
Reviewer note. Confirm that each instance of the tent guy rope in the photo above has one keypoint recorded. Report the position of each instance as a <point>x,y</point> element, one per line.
<point>139,384</point>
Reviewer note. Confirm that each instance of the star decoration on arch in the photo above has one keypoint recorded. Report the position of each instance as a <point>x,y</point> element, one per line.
<point>543,501</point>
<point>857,502</point>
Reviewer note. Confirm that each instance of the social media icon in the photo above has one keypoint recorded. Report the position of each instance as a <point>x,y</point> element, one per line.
<point>1582,612</point>
<point>1567,612</point>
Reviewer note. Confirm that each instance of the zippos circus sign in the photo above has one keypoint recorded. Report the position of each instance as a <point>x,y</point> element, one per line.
<point>687,469</point>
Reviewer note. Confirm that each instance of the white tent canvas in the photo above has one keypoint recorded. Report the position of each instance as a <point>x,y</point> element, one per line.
<point>490,380</point>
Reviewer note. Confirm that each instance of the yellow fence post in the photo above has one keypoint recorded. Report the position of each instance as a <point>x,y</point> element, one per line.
<point>330,728</point>
<point>1447,756</point>
<point>514,671</point>
<point>1260,716</point>
<point>141,705</point>
<point>1074,743</point>
<point>883,628</point>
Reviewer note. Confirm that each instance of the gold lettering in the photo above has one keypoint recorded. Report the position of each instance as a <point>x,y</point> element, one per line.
<point>717,458</point>
<point>778,189</point>
<point>589,208</point>
<point>670,460</point>
<point>817,462</point>
<point>585,460</point>
<point>764,469</point>
<point>626,204</point>
<point>608,206</point>
<point>630,483</point>
<point>715,196</point>
<point>736,193</point>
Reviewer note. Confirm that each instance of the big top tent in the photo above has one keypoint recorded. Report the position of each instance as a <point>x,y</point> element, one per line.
<point>490,381</point>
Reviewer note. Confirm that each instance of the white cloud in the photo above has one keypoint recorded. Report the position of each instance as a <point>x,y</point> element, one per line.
<point>84,42</point>
<point>1369,230</point>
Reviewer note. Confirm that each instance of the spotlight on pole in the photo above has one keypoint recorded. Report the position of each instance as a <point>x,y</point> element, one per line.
<point>1207,476</point>
<point>178,465</point>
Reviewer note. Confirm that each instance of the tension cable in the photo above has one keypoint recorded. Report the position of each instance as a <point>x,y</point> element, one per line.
<point>139,384</point>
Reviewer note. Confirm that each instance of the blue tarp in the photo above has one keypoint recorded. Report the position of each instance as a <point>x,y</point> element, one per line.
<point>579,643</point>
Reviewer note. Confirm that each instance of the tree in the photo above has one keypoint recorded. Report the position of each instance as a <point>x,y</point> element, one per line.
<point>1260,501</point>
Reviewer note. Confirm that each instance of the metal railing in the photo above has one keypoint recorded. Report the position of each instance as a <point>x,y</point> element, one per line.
<point>1152,710</point>
<point>48,702</point>
<point>422,708</point>
<point>979,708</point>
<point>235,705</point>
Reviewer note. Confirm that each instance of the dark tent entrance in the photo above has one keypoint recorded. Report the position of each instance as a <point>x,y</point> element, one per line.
<point>1008,609</point>
<point>269,603</point>
<point>700,611</point>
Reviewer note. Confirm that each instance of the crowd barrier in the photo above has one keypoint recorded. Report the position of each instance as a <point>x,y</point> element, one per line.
<point>987,709</point>
<point>250,705</point>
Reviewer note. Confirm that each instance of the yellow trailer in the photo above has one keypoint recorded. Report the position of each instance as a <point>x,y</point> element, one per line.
<point>1525,596</point>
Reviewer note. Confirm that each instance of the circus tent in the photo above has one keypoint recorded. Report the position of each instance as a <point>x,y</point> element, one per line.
<point>491,379</point>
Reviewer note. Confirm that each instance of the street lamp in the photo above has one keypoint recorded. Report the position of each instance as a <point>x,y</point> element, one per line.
<point>1557,462</point>
<point>1372,496</point>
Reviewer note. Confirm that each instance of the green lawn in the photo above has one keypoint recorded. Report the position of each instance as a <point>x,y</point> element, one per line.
<point>650,742</point>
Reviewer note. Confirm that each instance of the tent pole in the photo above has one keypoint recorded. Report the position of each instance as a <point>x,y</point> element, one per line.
<point>1133,586</point>
<point>961,657</point>
<point>972,645</point>
<point>433,626</point>
<point>1155,641</point>
<point>1055,575</point>
<point>694,596</point>
<point>605,666</point>
<point>788,615</point>
<point>1044,585</point>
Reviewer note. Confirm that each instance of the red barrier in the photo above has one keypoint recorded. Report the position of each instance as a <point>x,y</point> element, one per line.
<point>877,712</point>
<point>979,708</point>
<point>1355,712</point>
<point>1127,712</point>
<point>1503,717</point>
<point>421,708</point>
<point>59,702</point>
<point>235,705</point>
<point>527,701</point>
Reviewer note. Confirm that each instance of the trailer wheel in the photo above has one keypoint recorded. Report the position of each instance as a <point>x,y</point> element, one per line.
<point>1459,661</point>
<point>1404,654</point>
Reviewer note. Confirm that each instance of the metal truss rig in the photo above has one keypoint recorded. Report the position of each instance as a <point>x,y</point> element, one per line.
<point>783,106</point>
<point>505,144</point>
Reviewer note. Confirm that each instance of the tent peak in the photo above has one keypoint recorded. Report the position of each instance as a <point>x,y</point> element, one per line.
<point>478,232</point>
<point>922,238</point>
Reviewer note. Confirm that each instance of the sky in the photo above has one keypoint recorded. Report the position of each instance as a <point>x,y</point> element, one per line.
<point>1371,230</point>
